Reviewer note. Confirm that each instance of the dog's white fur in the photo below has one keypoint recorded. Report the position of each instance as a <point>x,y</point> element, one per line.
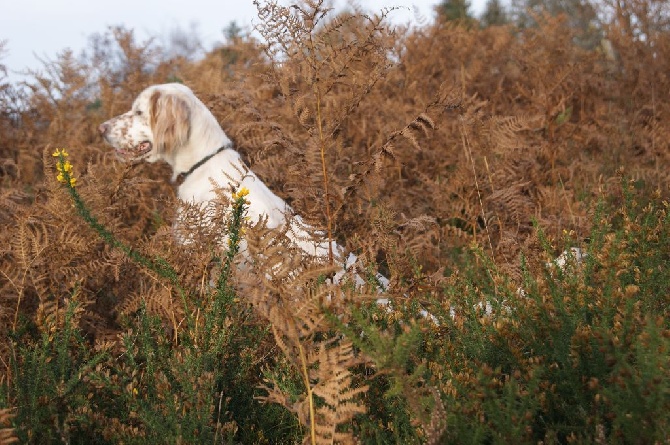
<point>168,122</point>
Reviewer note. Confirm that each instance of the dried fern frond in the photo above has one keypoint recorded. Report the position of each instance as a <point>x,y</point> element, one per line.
<point>157,300</point>
<point>502,132</point>
<point>7,434</point>
<point>341,400</point>
<point>327,377</point>
<point>290,292</point>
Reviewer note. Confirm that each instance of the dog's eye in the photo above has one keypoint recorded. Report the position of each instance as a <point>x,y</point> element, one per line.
<point>138,112</point>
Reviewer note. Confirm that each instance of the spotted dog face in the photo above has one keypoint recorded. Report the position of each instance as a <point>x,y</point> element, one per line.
<point>157,124</point>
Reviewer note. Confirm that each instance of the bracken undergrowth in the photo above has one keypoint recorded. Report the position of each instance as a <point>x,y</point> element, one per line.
<point>458,161</point>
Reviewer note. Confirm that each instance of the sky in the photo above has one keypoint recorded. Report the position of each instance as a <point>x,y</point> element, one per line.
<point>40,29</point>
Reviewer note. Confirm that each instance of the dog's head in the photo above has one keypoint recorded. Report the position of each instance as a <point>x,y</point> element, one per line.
<point>157,125</point>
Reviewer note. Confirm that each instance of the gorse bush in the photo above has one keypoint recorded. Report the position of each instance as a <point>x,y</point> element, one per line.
<point>458,161</point>
<point>148,386</point>
<point>580,355</point>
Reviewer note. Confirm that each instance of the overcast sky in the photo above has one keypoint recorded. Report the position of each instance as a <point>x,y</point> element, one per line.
<point>42,28</point>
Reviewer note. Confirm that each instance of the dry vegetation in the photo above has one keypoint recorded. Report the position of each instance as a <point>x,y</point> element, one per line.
<point>414,148</point>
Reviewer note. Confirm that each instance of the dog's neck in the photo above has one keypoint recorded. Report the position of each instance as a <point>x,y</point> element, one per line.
<point>206,140</point>
<point>181,177</point>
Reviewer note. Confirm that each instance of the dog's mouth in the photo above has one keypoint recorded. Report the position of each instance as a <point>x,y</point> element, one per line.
<point>135,152</point>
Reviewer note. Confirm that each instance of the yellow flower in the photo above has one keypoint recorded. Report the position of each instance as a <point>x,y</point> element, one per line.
<point>241,193</point>
<point>64,168</point>
<point>60,152</point>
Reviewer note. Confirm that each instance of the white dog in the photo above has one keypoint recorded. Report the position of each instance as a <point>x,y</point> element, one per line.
<point>168,122</point>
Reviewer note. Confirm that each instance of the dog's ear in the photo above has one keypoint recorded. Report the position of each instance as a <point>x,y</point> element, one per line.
<point>170,121</point>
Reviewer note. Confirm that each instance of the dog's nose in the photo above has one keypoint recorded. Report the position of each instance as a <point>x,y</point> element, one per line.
<point>103,128</point>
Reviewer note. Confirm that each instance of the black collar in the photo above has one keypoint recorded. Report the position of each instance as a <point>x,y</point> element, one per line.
<point>181,177</point>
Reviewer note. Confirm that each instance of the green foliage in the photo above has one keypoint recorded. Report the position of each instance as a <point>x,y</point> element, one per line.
<point>494,14</point>
<point>51,399</point>
<point>581,15</point>
<point>580,354</point>
<point>454,10</point>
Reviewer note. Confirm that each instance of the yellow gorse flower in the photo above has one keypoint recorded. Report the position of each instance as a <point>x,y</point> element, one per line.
<point>60,152</point>
<point>241,193</point>
<point>64,168</point>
